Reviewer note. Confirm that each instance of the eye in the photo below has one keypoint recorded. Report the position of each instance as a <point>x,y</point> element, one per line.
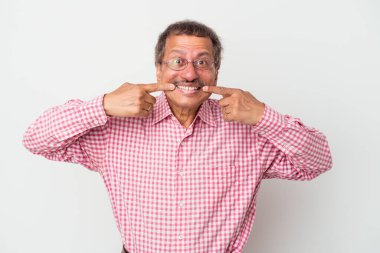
<point>177,62</point>
<point>202,63</point>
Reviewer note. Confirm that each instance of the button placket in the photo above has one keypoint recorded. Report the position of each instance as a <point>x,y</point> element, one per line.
<point>180,180</point>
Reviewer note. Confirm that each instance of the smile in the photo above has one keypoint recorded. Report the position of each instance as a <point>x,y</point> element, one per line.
<point>188,88</point>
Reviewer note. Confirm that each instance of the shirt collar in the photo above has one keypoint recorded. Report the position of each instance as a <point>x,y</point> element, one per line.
<point>161,110</point>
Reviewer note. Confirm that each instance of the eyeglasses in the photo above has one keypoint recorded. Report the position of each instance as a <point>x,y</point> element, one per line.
<point>180,64</point>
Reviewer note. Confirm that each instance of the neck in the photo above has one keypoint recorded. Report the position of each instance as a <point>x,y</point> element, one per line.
<point>185,116</point>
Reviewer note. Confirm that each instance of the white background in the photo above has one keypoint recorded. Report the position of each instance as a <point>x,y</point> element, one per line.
<point>317,60</point>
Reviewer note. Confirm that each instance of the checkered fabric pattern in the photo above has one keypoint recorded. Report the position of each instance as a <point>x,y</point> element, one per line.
<point>174,189</point>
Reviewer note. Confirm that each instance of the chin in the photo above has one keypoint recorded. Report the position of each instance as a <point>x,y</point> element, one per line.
<point>185,101</point>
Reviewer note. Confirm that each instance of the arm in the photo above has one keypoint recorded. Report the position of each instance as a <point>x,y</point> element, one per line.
<point>289,149</point>
<point>77,131</point>
<point>73,132</point>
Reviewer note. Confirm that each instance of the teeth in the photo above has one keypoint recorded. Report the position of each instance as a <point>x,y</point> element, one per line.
<point>187,88</point>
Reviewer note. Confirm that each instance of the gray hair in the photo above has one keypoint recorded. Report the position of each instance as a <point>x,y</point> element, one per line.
<point>189,27</point>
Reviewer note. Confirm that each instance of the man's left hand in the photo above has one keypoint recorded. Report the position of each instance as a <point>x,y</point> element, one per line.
<point>238,105</point>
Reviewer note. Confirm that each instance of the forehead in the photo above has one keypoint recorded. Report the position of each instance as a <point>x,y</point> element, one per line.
<point>188,45</point>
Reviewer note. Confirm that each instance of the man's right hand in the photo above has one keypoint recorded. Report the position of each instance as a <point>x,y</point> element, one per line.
<point>133,100</point>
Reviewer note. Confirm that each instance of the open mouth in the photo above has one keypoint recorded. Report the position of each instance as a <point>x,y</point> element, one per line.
<point>187,88</point>
<point>182,86</point>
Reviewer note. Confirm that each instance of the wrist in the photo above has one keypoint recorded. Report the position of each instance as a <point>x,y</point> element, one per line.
<point>105,104</point>
<point>260,113</point>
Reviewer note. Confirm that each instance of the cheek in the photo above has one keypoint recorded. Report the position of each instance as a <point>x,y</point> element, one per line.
<point>162,75</point>
<point>167,76</point>
<point>210,79</point>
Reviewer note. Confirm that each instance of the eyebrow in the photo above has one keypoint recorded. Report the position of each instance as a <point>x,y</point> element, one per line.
<point>204,53</point>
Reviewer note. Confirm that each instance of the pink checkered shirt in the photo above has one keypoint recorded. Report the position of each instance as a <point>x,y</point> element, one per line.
<point>174,189</point>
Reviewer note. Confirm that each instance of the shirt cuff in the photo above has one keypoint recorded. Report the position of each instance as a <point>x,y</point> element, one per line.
<point>92,113</point>
<point>271,124</point>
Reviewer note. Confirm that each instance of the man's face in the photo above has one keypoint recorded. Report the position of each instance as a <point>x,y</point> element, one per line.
<point>188,48</point>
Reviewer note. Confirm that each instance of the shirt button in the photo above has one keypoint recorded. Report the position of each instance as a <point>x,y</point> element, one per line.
<point>181,204</point>
<point>181,173</point>
<point>180,237</point>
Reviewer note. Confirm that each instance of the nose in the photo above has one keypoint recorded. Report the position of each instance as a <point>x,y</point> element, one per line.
<point>190,73</point>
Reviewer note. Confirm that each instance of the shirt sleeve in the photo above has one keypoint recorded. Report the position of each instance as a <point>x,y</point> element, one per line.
<point>289,149</point>
<point>74,132</point>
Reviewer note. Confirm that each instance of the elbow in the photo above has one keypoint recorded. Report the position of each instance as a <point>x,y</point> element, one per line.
<point>326,161</point>
<point>26,142</point>
<point>325,165</point>
<point>32,142</point>
<point>321,162</point>
<point>312,168</point>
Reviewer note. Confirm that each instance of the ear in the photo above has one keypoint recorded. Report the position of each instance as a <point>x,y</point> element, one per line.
<point>216,76</point>
<point>158,73</point>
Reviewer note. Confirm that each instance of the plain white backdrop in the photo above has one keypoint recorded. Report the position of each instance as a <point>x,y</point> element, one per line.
<point>317,60</point>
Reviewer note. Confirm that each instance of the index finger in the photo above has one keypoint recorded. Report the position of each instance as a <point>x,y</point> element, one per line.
<point>152,87</point>
<point>218,90</point>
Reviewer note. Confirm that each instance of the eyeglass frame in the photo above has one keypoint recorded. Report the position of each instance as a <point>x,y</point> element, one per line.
<point>187,63</point>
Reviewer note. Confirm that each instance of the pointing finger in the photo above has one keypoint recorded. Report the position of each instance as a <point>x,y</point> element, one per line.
<point>218,90</point>
<point>152,87</point>
<point>150,99</point>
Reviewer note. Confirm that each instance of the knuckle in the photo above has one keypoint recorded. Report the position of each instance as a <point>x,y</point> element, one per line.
<point>138,103</point>
<point>237,93</point>
<point>140,94</point>
<point>127,84</point>
<point>150,99</point>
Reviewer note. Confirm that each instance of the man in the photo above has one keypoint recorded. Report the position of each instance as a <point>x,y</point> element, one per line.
<point>182,170</point>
